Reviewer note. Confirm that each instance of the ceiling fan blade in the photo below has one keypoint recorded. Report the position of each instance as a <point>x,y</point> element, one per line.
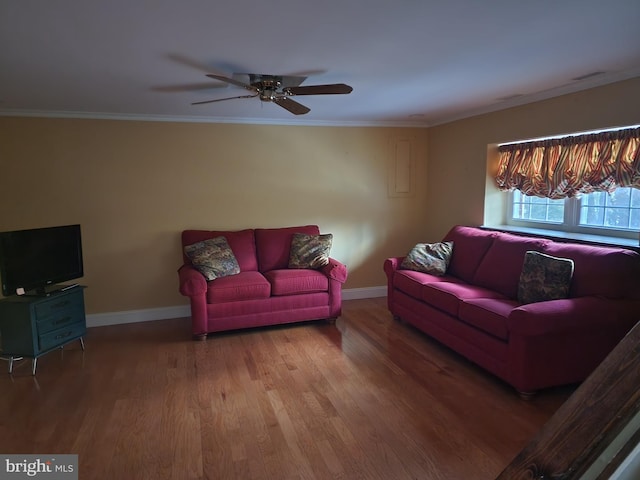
<point>188,87</point>
<point>330,89</point>
<point>233,81</point>
<point>223,99</point>
<point>291,105</point>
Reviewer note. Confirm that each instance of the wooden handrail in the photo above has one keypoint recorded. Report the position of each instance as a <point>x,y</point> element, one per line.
<point>588,422</point>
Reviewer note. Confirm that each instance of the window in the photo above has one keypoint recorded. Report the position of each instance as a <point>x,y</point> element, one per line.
<point>586,183</point>
<point>615,214</point>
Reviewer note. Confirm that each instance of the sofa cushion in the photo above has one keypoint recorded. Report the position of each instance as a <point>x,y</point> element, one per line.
<point>296,281</point>
<point>610,272</point>
<point>213,258</point>
<point>242,244</point>
<point>488,314</point>
<point>310,251</point>
<point>501,266</point>
<point>273,245</point>
<point>430,258</point>
<point>544,277</point>
<point>446,296</point>
<point>411,282</point>
<point>471,245</point>
<point>249,285</point>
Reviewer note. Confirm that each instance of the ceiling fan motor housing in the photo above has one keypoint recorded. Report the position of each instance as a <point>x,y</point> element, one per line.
<point>267,86</point>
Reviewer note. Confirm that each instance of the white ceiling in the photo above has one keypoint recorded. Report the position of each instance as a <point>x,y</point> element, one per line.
<point>410,62</point>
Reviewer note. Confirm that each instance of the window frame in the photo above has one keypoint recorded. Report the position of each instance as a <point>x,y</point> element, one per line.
<point>571,222</point>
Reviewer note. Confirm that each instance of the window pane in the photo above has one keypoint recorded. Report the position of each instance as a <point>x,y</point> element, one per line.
<point>537,209</point>
<point>538,212</point>
<point>616,217</point>
<point>611,210</point>
<point>556,213</point>
<point>620,197</point>
<point>634,221</point>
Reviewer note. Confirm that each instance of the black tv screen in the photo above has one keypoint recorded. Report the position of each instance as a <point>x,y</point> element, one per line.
<point>33,259</point>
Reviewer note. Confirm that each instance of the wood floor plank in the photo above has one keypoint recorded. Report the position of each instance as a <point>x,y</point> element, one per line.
<point>365,398</point>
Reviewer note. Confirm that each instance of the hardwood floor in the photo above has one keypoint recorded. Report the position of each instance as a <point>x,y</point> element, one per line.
<point>366,398</point>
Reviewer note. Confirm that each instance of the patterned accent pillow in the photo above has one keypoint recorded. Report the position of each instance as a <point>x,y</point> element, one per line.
<point>213,258</point>
<point>544,278</point>
<point>430,258</point>
<point>310,251</point>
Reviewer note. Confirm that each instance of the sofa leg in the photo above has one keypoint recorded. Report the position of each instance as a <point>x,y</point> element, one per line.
<point>332,320</point>
<point>527,396</point>
<point>201,337</point>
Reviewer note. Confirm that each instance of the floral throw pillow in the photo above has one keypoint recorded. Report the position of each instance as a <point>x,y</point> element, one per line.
<point>544,278</point>
<point>430,258</point>
<point>213,258</point>
<point>310,251</point>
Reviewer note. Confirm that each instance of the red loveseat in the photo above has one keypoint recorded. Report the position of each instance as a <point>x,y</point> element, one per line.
<point>473,308</point>
<point>266,291</point>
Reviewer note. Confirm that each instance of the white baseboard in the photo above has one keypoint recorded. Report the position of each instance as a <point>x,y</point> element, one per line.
<point>179,311</point>
<point>366,292</point>
<point>134,316</point>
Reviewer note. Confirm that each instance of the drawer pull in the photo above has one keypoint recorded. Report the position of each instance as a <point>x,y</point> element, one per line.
<point>60,304</point>
<point>62,320</point>
<point>63,335</point>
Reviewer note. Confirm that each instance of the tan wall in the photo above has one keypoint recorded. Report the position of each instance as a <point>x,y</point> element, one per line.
<point>460,187</point>
<point>133,186</point>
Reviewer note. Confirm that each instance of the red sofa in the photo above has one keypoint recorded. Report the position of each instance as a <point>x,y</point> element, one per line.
<point>266,291</point>
<point>473,307</point>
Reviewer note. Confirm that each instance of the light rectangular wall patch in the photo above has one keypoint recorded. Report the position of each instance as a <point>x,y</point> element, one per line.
<point>402,165</point>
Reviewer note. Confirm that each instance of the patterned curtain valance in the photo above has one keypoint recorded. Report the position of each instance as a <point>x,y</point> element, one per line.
<point>569,166</point>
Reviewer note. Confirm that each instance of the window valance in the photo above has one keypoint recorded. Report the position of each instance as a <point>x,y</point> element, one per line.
<point>569,166</point>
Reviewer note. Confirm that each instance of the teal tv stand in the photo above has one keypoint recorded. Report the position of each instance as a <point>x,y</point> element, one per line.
<point>31,326</point>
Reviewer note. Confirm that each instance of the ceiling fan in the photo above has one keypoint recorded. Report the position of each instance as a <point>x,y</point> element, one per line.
<point>279,89</point>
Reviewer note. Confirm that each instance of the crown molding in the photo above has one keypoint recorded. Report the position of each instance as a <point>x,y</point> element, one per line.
<point>197,119</point>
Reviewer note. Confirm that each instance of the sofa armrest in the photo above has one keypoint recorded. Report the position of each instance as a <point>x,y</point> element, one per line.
<point>392,264</point>
<point>335,270</point>
<point>192,282</point>
<point>572,314</point>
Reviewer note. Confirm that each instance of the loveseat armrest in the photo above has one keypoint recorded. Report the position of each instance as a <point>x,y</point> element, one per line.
<point>335,270</point>
<point>192,282</point>
<point>573,314</point>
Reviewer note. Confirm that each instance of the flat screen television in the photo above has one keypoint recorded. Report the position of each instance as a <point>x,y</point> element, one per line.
<point>32,260</point>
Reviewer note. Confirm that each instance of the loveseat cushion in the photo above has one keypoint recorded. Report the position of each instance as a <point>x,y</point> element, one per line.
<point>310,251</point>
<point>488,314</point>
<point>470,246</point>
<point>610,272</point>
<point>273,245</point>
<point>296,281</point>
<point>249,285</point>
<point>501,267</point>
<point>213,258</point>
<point>242,244</point>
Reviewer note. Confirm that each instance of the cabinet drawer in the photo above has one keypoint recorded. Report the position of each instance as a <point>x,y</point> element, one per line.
<point>56,305</point>
<point>60,319</point>
<point>61,336</point>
